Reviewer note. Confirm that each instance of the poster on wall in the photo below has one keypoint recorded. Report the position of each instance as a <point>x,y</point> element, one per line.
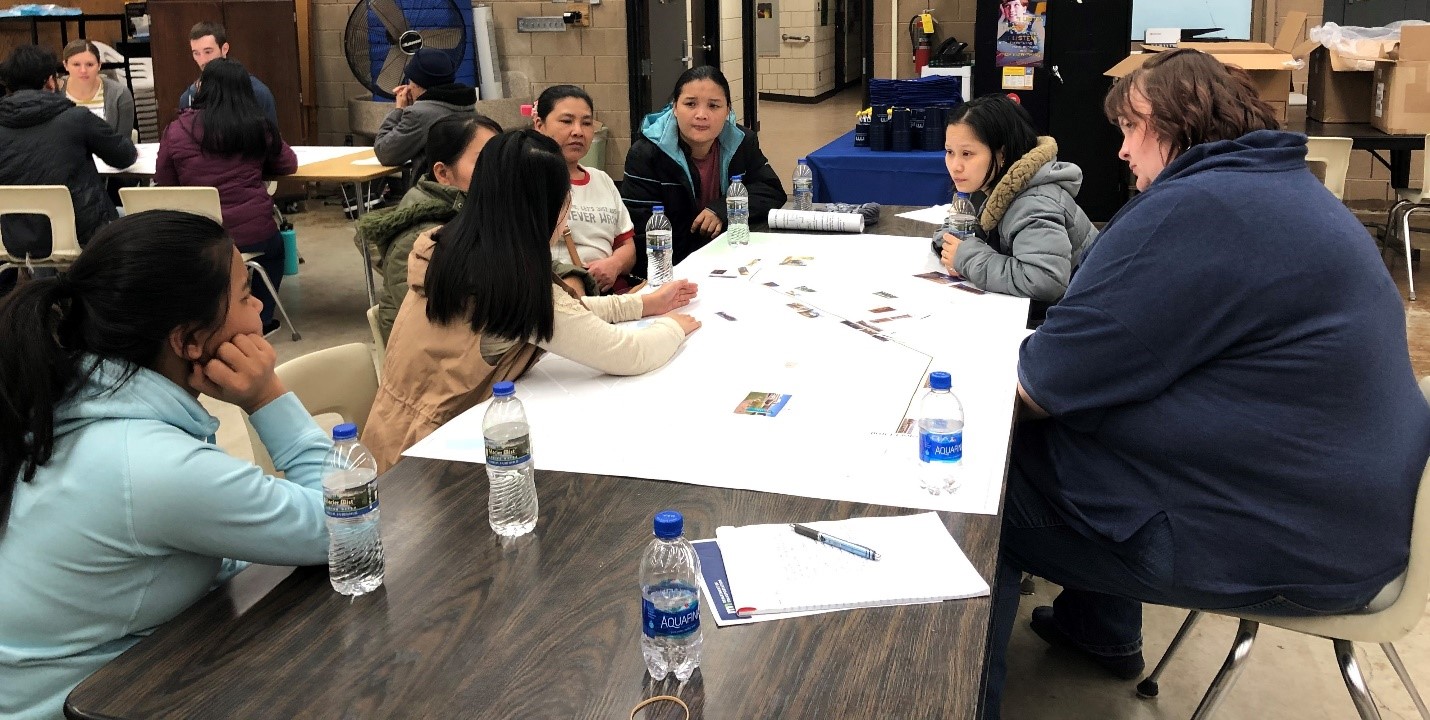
<point>1022,33</point>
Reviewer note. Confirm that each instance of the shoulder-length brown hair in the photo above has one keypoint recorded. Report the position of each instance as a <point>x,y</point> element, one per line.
<point>1195,99</point>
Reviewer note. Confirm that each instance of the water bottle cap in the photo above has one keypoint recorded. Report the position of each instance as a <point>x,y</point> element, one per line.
<point>801,161</point>
<point>961,194</point>
<point>736,178</point>
<point>658,208</point>
<point>505,388</point>
<point>345,431</point>
<point>940,380</point>
<point>669,524</point>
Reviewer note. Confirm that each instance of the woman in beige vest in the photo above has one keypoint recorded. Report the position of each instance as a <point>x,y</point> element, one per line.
<point>483,305</point>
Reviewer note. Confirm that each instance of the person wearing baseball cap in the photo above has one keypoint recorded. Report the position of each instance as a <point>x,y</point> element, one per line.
<point>430,94</point>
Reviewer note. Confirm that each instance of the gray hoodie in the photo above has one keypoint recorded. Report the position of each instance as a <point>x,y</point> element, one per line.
<point>1040,231</point>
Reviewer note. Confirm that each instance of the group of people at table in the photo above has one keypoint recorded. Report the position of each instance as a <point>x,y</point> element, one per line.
<point>1217,410</point>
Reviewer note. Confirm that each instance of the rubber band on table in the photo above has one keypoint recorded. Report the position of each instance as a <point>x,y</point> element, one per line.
<point>659,698</point>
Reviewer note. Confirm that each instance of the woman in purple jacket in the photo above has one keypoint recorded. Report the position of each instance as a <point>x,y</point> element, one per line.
<point>226,141</point>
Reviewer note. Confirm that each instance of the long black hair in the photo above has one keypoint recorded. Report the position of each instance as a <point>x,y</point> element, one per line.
<point>492,264</point>
<point>449,137</point>
<point>140,277</point>
<point>703,72</point>
<point>1001,124</point>
<point>232,120</point>
<point>546,102</point>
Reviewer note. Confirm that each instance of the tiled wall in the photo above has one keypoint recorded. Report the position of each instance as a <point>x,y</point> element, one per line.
<point>732,53</point>
<point>592,57</point>
<point>955,19</point>
<point>803,69</point>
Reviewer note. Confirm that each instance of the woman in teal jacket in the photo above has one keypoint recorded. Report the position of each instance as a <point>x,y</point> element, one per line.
<point>118,510</point>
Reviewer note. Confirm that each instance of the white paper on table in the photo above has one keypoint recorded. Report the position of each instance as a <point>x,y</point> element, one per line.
<point>372,161</point>
<point>771,568</point>
<point>849,390</point>
<point>933,215</point>
<point>144,163</point>
<point>811,220</point>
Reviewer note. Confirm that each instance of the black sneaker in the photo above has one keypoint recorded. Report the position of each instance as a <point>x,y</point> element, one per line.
<point>1123,667</point>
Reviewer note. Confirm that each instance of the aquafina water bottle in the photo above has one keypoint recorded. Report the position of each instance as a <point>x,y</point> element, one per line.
<point>940,436</point>
<point>737,211</point>
<point>803,186</point>
<point>670,601</point>
<point>355,561</point>
<point>511,504</point>
<point>658,248</point>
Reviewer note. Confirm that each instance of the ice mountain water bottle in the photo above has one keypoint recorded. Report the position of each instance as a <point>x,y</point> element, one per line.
<point>355,560</point>
<point>940,436</point>
<point>511,504</point>
<point>670,601</point>
<point>658,238</point>
<point>737,211</point>
<point>803,186</point>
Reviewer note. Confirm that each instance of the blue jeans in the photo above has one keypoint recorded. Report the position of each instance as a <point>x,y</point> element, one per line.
<point>272,263</point>
<point>1104,582</point>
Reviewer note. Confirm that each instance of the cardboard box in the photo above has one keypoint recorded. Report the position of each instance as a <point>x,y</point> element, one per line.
<point>1336,96</point>
<point>1269,65</point>
<point>1400,96</point>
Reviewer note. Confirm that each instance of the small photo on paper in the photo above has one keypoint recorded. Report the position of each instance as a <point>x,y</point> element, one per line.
<point>772,283</point>
<point>804,310</point>
<point>937,277</point>
<point>768,404</point>
<point>888,295</point>
<point>889,318</point>
<point>883,309</point>
<point>805,289</point>
<point>721,273</point>
<point>906,427</point>
<point>726,315</point>
<point>798,260</point>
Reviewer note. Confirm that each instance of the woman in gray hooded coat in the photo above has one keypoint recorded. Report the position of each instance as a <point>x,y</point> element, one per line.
<point>1031,233</point>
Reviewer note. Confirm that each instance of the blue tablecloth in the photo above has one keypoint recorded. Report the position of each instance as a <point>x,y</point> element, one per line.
<point>844,173</point>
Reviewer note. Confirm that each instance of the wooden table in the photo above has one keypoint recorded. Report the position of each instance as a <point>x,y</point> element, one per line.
<point>546,626</point>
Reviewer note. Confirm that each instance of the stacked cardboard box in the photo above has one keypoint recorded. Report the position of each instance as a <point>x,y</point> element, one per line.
<point>1400,95</point>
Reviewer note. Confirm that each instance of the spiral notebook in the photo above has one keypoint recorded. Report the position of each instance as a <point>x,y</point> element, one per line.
<point>772,569</point>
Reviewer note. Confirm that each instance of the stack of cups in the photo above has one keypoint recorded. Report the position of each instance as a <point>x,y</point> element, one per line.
<point>899,140</point>
<point>879,129</point>
<point>934,118</point>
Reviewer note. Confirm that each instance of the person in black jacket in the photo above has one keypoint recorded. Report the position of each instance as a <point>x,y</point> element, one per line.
<point>45,139</point>
<point>684,158</point>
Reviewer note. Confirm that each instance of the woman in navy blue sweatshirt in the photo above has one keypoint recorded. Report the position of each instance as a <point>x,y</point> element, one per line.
<point>1221,410</point>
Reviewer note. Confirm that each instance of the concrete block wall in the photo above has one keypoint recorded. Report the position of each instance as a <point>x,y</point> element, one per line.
<point>803,69</point>
<point>732,52</point>
<point>955,19</point>
<point>593,57</point>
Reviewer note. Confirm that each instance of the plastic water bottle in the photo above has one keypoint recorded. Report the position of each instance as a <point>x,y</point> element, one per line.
<point>511,505</point>
<point>658,248</point>
<point>940,436</point>
<point>962,218</point>
<point>670,601</point>
<point>737,211</point>
<point>803,186</point>
<point>355,561</point>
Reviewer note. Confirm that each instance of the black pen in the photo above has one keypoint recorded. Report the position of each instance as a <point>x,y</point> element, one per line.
<point>830,540</point>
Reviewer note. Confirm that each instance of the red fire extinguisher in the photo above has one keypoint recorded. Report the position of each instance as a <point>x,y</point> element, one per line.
<point>921,33</point>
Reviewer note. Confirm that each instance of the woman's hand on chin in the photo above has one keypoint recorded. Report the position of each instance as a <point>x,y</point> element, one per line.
<point>240,373</point>
<point>671,296</point>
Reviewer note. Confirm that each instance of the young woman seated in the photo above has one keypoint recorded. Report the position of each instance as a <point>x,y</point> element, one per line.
<point>600,226</point>
<point>118,509</point>
<point>1031,234</point>
<point>684,158</point>
<point>226,141</point>
<point>483,304</point>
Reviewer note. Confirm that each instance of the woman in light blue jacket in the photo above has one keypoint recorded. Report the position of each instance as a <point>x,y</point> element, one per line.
<point>118,510</point>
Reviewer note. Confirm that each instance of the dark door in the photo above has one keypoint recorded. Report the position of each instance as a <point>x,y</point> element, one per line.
<point>263,36</point>
<point>174,68</point>
<point>1084,40</point>
<point>848,41</point>
<point>656,32</point>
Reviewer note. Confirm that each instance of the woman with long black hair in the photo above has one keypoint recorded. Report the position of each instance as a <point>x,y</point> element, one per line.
<point>117,511</point>
<point>226,141</point>
<point>483,304</point>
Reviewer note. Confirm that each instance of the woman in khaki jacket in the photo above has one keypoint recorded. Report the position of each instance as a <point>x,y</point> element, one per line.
<point>483,306</point>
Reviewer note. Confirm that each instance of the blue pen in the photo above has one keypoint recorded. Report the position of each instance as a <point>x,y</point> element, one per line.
<point>830,540</point>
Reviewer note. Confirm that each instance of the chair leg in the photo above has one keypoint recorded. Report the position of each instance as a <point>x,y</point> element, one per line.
<point>1399,666</point>
<point>263,275</point>
<point>1390,220</point>
<point>1405,235</point>
<point>1355,682</point>
<point>1230,669</point>
<point>1148,687</point>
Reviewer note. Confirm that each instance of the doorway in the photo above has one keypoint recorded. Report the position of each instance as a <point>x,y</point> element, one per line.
<point>658,56</point>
